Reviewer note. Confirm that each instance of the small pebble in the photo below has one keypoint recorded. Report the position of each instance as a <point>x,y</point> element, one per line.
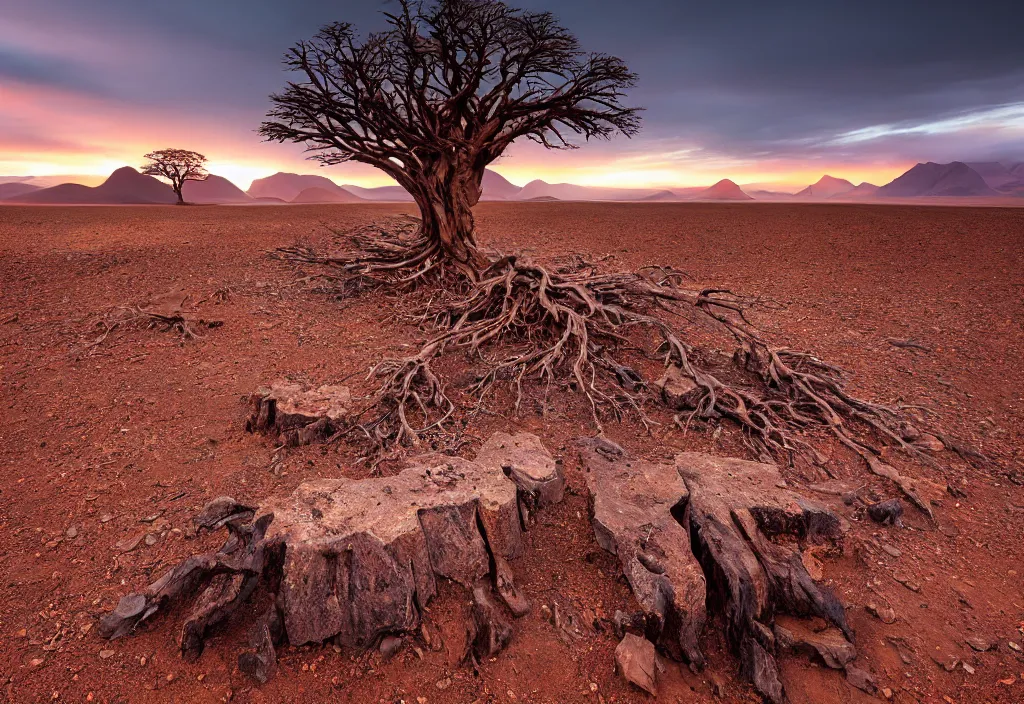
<point>979,644</point>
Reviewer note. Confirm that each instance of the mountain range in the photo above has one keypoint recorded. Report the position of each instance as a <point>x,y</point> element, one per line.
<point>127,186</point>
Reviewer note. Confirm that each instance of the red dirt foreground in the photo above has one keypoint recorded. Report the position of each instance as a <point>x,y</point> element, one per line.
<point>120,426</point>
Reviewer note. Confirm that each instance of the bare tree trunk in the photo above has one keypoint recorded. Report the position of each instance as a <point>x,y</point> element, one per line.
<point>181,198</point>
<point>446,197</point>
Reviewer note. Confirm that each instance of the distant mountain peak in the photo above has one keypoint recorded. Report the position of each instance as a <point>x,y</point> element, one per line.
<point>497,187</point>
<point>725,189</point>
<point>826,187</point>
<point>125,186</point>
<point>287,186</point>
<point>214,189</point>
<point>931,179</point>
<point>317,194</point>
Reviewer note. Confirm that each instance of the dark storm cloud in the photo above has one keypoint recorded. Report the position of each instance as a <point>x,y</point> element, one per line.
<point>749,79</point>
<point>28,67</point>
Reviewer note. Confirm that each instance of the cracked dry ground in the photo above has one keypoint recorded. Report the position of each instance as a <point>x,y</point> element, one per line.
<point>108,451</point>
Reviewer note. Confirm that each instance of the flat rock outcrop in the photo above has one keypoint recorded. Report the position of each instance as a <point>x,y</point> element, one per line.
<point>527,463</point>
<point>354,560</point>
<point>735,511</point>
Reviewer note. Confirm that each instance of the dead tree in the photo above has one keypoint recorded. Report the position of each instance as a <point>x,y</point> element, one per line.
<point>437,97</point>
<point>432,101</point>
<point>177,166</point>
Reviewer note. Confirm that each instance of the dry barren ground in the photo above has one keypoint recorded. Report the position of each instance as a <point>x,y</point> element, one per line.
<point>101,444</point>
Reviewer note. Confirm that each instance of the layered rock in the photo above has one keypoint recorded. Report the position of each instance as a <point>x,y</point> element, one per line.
<point>360,554</point>
<point>633,502</point>
<point>527,463</point>
<point>735,509</point>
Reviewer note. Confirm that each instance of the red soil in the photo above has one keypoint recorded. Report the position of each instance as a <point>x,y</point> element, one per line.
<point>144,423</point>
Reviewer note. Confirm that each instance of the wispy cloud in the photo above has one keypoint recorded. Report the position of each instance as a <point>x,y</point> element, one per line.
<point>999,118</point>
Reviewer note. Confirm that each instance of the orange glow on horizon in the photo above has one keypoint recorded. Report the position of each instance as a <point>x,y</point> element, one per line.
<point>94,143</point>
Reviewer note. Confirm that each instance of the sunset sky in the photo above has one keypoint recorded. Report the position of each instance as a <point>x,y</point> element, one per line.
<point>759,92</point>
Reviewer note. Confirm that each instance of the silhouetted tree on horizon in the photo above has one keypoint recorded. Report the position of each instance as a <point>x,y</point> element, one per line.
<point>177,166</point>
<point>439,95</point>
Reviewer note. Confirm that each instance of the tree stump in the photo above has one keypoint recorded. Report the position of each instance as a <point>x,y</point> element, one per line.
<point>298,416</point>
<point>524,460</point>
<point>735,509</point>
<point>354,560</point>
<point>632,503</point>
<point>726,526</point>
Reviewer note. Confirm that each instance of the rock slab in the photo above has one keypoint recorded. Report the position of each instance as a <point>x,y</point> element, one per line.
<point>723,528</point>
<point>746,523</point>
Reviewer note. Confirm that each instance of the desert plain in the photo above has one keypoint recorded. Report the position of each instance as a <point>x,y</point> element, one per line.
<point>109,443</point>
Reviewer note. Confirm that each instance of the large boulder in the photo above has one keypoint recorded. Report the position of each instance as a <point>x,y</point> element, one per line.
<point>726,527</point>
<point>358,554</point>
<point>736,511</point>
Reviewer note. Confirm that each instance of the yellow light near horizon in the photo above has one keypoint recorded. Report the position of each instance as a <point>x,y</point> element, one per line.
<point>242,175</point>
<point>91,170</point>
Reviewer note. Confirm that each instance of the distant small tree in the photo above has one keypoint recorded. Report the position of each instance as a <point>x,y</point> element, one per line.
<point>177,166</point>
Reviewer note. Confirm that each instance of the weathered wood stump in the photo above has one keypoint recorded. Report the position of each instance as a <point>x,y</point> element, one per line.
<point>353,560</point>
<point>295,415</point>
<point>633,503</point>
<point>735,509</point>
<point>729,526</point>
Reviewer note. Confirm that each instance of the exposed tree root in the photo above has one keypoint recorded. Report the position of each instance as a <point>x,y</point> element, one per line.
<point>394,253</point>
<point>574,326</point>
<point>166,311</point>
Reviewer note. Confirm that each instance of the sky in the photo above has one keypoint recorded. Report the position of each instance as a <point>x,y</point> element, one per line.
<point>768,93</point>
